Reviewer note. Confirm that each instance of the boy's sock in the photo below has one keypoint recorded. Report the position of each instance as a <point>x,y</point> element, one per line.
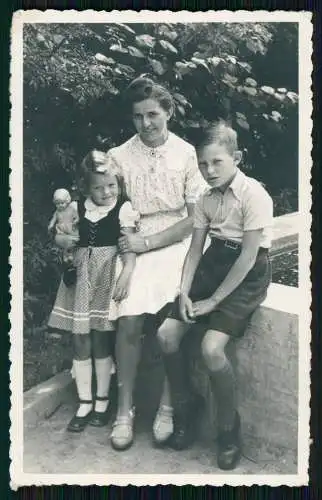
<point>104,368</point>
<point>83,376</point>
<point>176,370</point>
<point>224,387</point>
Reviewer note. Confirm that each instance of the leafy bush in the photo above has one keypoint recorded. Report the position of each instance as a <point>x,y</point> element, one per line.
<point>74,76</point>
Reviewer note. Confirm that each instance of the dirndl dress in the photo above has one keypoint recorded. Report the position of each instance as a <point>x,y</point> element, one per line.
<point>84,306</point>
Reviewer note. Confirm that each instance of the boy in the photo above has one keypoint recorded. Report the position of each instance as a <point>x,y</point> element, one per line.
<point>219,289</point>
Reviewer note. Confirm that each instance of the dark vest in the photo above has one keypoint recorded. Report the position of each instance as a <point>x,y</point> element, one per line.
<point>102,233</point>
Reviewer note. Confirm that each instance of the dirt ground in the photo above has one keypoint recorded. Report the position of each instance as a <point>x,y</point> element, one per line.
<point>48,448</point>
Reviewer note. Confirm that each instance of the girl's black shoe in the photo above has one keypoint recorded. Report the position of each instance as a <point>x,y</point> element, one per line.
<point>229,447</point>
<point>69,275</point>
<point>78,424</point>
<point>98,418</point>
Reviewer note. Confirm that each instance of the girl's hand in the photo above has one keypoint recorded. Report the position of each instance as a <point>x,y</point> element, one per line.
<point>122,287</point>
<point>202,307</point>
<point>132,243</point>
<point>185,308</point>
<point>66,241</point>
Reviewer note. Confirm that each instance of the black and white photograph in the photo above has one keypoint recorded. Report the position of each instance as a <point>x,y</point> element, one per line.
<point>160,247</point>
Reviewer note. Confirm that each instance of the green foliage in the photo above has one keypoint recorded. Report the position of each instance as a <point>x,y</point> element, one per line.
<point>74,76</point>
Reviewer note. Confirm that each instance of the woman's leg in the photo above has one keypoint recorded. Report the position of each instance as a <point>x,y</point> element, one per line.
<point>223,386</point>
<point>127,351</point>
<point>163,422</point>
<point>82,365</point>
<point>102,355</point>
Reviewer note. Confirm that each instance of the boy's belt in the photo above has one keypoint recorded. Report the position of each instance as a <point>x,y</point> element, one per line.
<point>232,245</point>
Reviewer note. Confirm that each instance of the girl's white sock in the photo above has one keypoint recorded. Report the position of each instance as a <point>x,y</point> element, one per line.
<point>104,368</point>
<point>83,376</point>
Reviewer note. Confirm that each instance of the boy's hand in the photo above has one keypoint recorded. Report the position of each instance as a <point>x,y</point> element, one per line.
<point>202,307</point>
<point>185,307</point>
<point>122,287</point>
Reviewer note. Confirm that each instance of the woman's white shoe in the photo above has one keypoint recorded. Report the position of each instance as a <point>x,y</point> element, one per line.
<point>163,425</point>
<point>122,434</point>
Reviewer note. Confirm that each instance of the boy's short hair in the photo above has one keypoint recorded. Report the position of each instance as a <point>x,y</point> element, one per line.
<point>218,133</point>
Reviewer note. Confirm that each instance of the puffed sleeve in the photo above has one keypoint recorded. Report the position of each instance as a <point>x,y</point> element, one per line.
<point>128,217</point>
<point>195,184</point>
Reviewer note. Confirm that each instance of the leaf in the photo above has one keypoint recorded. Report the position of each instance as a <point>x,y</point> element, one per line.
<point>181,99</point>
<point>231,59</point>
<point>268,90</point>
<point>58,38</point>
<point>181,109</point>
<point>145,41</point>
<point>133,51</point>
<point>182,68</point>
<point>118,48</point>
<point>168,46</point>
<point>250,91</point>
<point>243,123</point>
<point>241,116</point>
<point>293,97</point>
<point>250,82</point>
<point>276,116</point>
<point>200,62</point>
<point>192,124</point>
<point>214,61</point>
<point>157,66</point>
<point>247,67</point>
<point>125,27</point>
<point>103,59</point>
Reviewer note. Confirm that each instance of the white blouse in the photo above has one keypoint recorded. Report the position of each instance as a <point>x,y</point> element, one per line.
<point>127,216</point>
<point>160,179</point>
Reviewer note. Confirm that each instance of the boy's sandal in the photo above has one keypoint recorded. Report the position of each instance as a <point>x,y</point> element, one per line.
<point>99,418</point>
<point>122,434</point>
<point>78,424</point>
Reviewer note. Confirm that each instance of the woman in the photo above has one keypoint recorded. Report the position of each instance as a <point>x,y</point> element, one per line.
<point>163,182</point>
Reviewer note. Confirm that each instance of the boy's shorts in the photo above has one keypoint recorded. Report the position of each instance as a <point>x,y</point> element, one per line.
<point>233,313</point>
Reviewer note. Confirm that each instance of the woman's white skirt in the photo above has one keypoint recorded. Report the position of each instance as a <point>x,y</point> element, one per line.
<point>156,278</point>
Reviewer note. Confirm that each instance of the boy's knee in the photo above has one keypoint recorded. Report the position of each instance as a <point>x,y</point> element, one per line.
<point>212,353</point>
<point>168,340</point>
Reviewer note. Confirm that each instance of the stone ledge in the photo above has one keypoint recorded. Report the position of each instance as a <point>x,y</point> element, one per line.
<point>285,233</point>
<point>41,401</point>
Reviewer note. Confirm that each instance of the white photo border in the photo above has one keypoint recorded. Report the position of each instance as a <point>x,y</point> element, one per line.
<point>304,20</point>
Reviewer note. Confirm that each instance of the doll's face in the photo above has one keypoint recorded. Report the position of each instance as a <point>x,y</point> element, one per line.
<point>61,203</point>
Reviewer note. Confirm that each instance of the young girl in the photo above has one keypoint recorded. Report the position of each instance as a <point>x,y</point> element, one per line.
<point>83,308</point>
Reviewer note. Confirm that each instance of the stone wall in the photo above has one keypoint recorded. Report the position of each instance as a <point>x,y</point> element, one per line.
<point>265,359</point>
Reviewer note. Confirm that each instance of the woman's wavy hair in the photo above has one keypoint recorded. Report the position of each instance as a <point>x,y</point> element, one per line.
<point>145,88</point>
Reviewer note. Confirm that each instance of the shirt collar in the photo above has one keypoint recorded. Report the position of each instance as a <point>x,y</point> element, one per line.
<point>235,185</point>
<point>101,209</point>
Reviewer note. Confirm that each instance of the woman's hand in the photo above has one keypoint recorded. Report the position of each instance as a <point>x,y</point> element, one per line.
<point>202,307</point>
<point>185,308</point>
<point>122,287</point>
<point>132,243</point>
